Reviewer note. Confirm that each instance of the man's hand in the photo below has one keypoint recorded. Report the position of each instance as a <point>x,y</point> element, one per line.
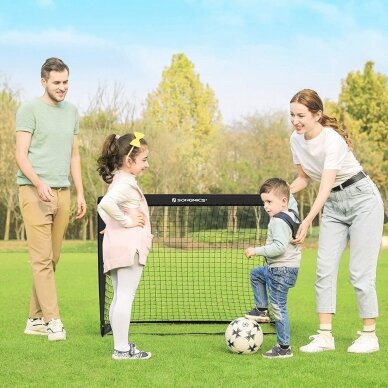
<point>44,192</point>
<point>81,207</point>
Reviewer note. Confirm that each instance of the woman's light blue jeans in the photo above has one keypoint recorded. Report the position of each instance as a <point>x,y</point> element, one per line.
<point>355,214</point>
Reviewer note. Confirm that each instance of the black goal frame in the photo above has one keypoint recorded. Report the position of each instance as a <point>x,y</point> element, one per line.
<point>168,200</point>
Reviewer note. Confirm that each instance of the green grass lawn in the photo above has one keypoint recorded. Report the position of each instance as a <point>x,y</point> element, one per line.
<point>179,360</point>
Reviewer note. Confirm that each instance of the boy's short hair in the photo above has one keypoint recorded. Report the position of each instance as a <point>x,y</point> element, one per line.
<point>52,64</point>
<point>276,185</point>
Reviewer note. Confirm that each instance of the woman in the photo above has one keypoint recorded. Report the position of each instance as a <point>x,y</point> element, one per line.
<point>352,210</point>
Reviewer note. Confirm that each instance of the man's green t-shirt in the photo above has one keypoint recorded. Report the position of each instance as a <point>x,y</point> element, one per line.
<point>53,128</point>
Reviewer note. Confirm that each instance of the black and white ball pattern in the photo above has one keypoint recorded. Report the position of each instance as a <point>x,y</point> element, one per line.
<point>243,336</point>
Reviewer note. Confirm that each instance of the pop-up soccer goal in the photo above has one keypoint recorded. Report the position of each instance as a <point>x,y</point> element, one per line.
<point>196,271</point>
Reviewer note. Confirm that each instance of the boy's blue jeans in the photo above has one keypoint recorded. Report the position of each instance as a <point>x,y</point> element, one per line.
<point>275,281</point>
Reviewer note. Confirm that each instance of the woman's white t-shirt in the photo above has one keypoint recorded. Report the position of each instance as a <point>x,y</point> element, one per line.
<point>327,151</point>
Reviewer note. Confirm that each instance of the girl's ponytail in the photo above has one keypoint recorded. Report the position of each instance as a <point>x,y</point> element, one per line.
<point>115,150</point>
<point>109,160</point>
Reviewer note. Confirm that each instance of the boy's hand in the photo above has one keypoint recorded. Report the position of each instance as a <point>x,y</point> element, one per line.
<point>249,252</point>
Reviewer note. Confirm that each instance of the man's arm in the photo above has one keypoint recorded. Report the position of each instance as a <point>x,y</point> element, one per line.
<point>23,142</point>
<point>75,170</point>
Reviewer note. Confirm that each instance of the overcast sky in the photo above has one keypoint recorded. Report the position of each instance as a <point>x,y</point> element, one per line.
<point>254,54</point>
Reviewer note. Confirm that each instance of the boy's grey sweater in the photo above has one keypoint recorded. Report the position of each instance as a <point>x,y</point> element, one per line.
<point>278,249</point>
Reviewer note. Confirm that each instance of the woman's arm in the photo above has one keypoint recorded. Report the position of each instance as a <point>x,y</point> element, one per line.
<point>327,183</point>
<point>301,181</point>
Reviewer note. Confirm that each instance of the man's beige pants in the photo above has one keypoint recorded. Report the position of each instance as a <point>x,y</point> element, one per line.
<point>46,224</point>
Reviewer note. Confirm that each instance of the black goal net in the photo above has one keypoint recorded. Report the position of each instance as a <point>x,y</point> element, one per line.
<point>196,271</point>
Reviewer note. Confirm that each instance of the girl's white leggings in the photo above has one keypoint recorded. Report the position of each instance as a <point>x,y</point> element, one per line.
<point>125,281</point>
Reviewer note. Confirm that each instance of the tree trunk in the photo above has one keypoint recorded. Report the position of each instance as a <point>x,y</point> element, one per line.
<point>91,229</point>
<point>301,208</point>
<point>7,224</point>
<point>165,223</point>
<point>84,229</point>
<point>257,218</point>
<point>178,228</point>
<point>186,222</point>
<point>232,219</point>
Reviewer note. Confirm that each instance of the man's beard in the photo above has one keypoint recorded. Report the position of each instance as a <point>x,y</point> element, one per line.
<point>53,97</point>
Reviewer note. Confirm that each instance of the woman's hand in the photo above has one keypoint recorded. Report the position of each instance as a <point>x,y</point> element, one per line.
<point>302,232</point>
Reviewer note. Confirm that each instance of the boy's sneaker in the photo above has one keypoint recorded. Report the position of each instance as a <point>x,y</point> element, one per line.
<point>259,316</point>
<point>55,330</point>
<point>278,352</point>
<point>319,343</point>
<point>132,354</point>
<point>35,326</point>
<point>365,343</point>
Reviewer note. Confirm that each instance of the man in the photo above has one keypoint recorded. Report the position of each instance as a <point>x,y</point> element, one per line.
<point>46,153</point>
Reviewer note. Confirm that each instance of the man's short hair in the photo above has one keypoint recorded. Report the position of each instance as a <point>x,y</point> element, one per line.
<point>277,185</point>
<point>52,64</point>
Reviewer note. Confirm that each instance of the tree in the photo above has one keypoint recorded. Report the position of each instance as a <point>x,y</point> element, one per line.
<point>109,112</point>
<point>181,120</point>
<point>253,150</point>
<point>363,108</point>
<point>364,96</point>
<point>8,167</point>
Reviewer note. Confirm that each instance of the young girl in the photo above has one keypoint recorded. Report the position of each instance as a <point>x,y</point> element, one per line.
<point>352,210</point>
<point>127,236</point>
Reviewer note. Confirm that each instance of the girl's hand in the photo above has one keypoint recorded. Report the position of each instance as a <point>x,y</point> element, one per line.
<point>140,219</point>
<point>302,232</point>
<point>249,252</point>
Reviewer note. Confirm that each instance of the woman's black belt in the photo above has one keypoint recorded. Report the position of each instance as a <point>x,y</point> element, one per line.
<point>350,181</point>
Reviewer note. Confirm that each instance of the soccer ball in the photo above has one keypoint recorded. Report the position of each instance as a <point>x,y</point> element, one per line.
<point>243,336</point>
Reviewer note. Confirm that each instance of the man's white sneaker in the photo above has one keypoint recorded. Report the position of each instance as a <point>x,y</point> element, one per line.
<point>365,343</point>
<point>35,326</point>
<point>55,330</point>
<point>319,343</point>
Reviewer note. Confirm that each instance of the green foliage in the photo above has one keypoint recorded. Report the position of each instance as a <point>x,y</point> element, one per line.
<point>363,108</point>
<point>253,150</point>
<point>190,149</point>
<point>364,96</point>
<point>109,112</point>
<point>182,121</point>
<point>224,236</point>
<point>8,190</point>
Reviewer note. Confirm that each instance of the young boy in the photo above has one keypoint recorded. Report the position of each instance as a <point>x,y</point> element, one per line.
<point>283,261</point>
